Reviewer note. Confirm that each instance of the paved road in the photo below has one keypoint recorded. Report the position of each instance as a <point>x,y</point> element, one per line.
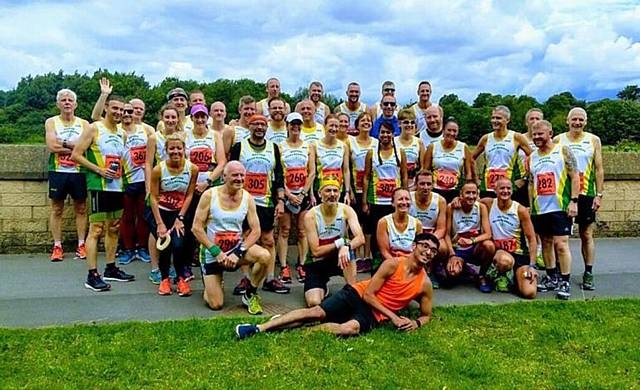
<point>36,293</point>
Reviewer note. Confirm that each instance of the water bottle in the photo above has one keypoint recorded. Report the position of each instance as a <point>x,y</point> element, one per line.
<point>114,167</point>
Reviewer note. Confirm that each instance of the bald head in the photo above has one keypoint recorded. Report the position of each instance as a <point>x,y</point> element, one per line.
<point>233,166</point>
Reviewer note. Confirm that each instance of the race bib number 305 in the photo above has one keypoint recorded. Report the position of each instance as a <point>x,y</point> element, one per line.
<point>256,183</point>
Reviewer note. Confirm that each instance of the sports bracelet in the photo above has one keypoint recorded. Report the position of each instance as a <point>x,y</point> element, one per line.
<point>418,322</point>
<point>215,250</point>
<point>339,243</point>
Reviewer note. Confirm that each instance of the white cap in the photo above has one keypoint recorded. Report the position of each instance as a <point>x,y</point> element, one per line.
<point>294,116</point>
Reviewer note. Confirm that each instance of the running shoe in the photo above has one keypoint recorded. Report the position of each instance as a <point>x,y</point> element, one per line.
<point>117,275</point>
<point>242,286</point>
<point>246,330</point>
<point>363,265</point>
<point>502,283</point>
<point>165,287</point>
<point>188,274</point>
<point>564,291</point>
<point>276,286</point>
<point>548,283</point>
<point>587,281</point>
<point>142,254</point>
<point>154,276</point>
<point>81,252</point>
<point>253,303</point>
<point>285,274</point>
<point>126,257</point>
<point>301,274</point>
<point>183,288</point>
<point>57,254</point>
<point>483,285</point>
<point>94,282</point>
<point>540,262</point>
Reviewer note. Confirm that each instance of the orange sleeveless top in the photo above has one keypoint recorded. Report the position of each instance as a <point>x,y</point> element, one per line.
<point>396,292</point>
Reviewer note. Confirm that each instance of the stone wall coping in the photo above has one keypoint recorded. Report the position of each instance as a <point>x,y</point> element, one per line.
<point>30,162</point>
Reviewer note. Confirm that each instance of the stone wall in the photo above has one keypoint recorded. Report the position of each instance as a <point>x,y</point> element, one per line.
<point>24,203</point>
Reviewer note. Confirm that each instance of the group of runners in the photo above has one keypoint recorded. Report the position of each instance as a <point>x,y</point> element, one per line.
<point>376,189</point>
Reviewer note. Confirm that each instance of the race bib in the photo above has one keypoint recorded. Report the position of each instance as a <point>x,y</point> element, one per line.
<point>227,240</point>
<point>138,155</point>
<point>113,162</point>
<point>172,200</point>
<point>494,175</point>
<point>66,161</point>
<point>296,178</point>
<point>359,180</point>
<point>336,172</point>
<point>385,188</point>
<point>506,244</point>
<point>546,183</point>
<point>202,157</point>
<point>411,167</point>
<point>446,179</point>
<point>325,241</point>
<point>256,183</point>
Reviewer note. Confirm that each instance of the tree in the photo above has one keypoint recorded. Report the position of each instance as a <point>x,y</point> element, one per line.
<point>630,92</point>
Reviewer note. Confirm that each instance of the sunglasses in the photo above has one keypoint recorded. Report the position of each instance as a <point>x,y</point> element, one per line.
<point>389,90</point>
<point>388,104</point>
<point>408,122</point>
<point>130,112</point>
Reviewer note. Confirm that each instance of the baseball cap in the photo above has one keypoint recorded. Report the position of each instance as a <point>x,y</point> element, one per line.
<point>199,108</point>
<point>176,92</point>
<point>294,116</point>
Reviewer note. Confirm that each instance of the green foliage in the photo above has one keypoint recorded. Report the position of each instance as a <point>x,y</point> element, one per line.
<point>24,110</point>
<point>542,344</point>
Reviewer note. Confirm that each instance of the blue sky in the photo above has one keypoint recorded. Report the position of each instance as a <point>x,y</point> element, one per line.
<point>538,48</point>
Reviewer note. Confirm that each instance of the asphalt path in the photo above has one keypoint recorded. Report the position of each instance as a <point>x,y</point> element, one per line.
<point>35,292</point>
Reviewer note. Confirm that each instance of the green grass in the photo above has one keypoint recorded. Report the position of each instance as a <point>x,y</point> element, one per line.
<point>543,344</point>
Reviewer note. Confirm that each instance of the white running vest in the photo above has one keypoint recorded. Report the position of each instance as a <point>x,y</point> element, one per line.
<point>506,229</point>
<point>62,162</point>
<point>429,215</point>
<point>353,115</point>
<point>294,163</point>
<point>358,156</point>
<point>135,155</point>
<point>400,242</point>
<point>447,166</point>
<point>466,224</point>
<point>329,161</point>
<point>224,226</point>
<point>312,134</point>
<point>277,136</point>
<point>428,140</point>
<point>201,152</point>
<point>173,188</point>
<point>329,231</point>
<point>260,166</point>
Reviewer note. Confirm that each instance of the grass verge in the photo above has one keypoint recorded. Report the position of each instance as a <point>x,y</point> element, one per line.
<point>527,344</point>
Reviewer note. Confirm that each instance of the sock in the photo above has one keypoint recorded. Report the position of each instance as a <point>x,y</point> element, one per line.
<point>565,277</point>
<point>269,277</point>
<point>588,268</point>
<point>80,242</point>
<point>57,243</point>
<point>110,266</point>
<point>93,271</point>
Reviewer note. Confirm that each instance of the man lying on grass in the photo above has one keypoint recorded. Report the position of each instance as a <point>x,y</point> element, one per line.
<point>356,309</point>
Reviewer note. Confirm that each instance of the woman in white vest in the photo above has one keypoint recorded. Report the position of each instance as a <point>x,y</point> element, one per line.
<point>396,231</point>
<point>172,184</point>
<point>332,159</point>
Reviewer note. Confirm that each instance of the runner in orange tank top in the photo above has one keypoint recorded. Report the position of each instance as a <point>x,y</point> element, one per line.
<point>356,309</point>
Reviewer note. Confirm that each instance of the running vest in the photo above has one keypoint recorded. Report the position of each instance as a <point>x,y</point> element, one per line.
<point>550,180</point>
<point>467,225</point>
<point>428,139</point>
<point>320,114</point>
<point>412,152</point>
<point>396,292</point>
<point>173,187</point>
<point>264,103</point>
<point>353,115</point>
<point>584,152</point>
<point>277,136</point>
<point>502,158</point>
<point>224,226</point>
<point>385,177</point>
<point>329,161</point>
<point>135,155</point>
<point>312,134</point>
<point>62,162</point>
<point>506,229</point>
<point>294,163</point>
<point>161,153</point>
<point>201,152</point>
<point>421,118</point>
<point>522,156</point>
<point>429,215</point>
<point>358,156</point>
<point>329,231</point>
<point>260,166</point>
<point>447,166</point>
<point>400,242</point>
<point>240,134</point>
<point>106,151</point>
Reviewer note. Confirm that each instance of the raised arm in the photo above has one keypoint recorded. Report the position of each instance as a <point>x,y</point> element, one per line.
<point>105,91</point>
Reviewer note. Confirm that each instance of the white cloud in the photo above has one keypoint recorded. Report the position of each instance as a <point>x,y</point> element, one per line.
<point>533,47</point>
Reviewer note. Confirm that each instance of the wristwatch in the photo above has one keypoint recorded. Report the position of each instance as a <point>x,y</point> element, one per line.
<point>574,200</point>
<point>240,251</point>
<point>600,195</point>
<point>180,217</point>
